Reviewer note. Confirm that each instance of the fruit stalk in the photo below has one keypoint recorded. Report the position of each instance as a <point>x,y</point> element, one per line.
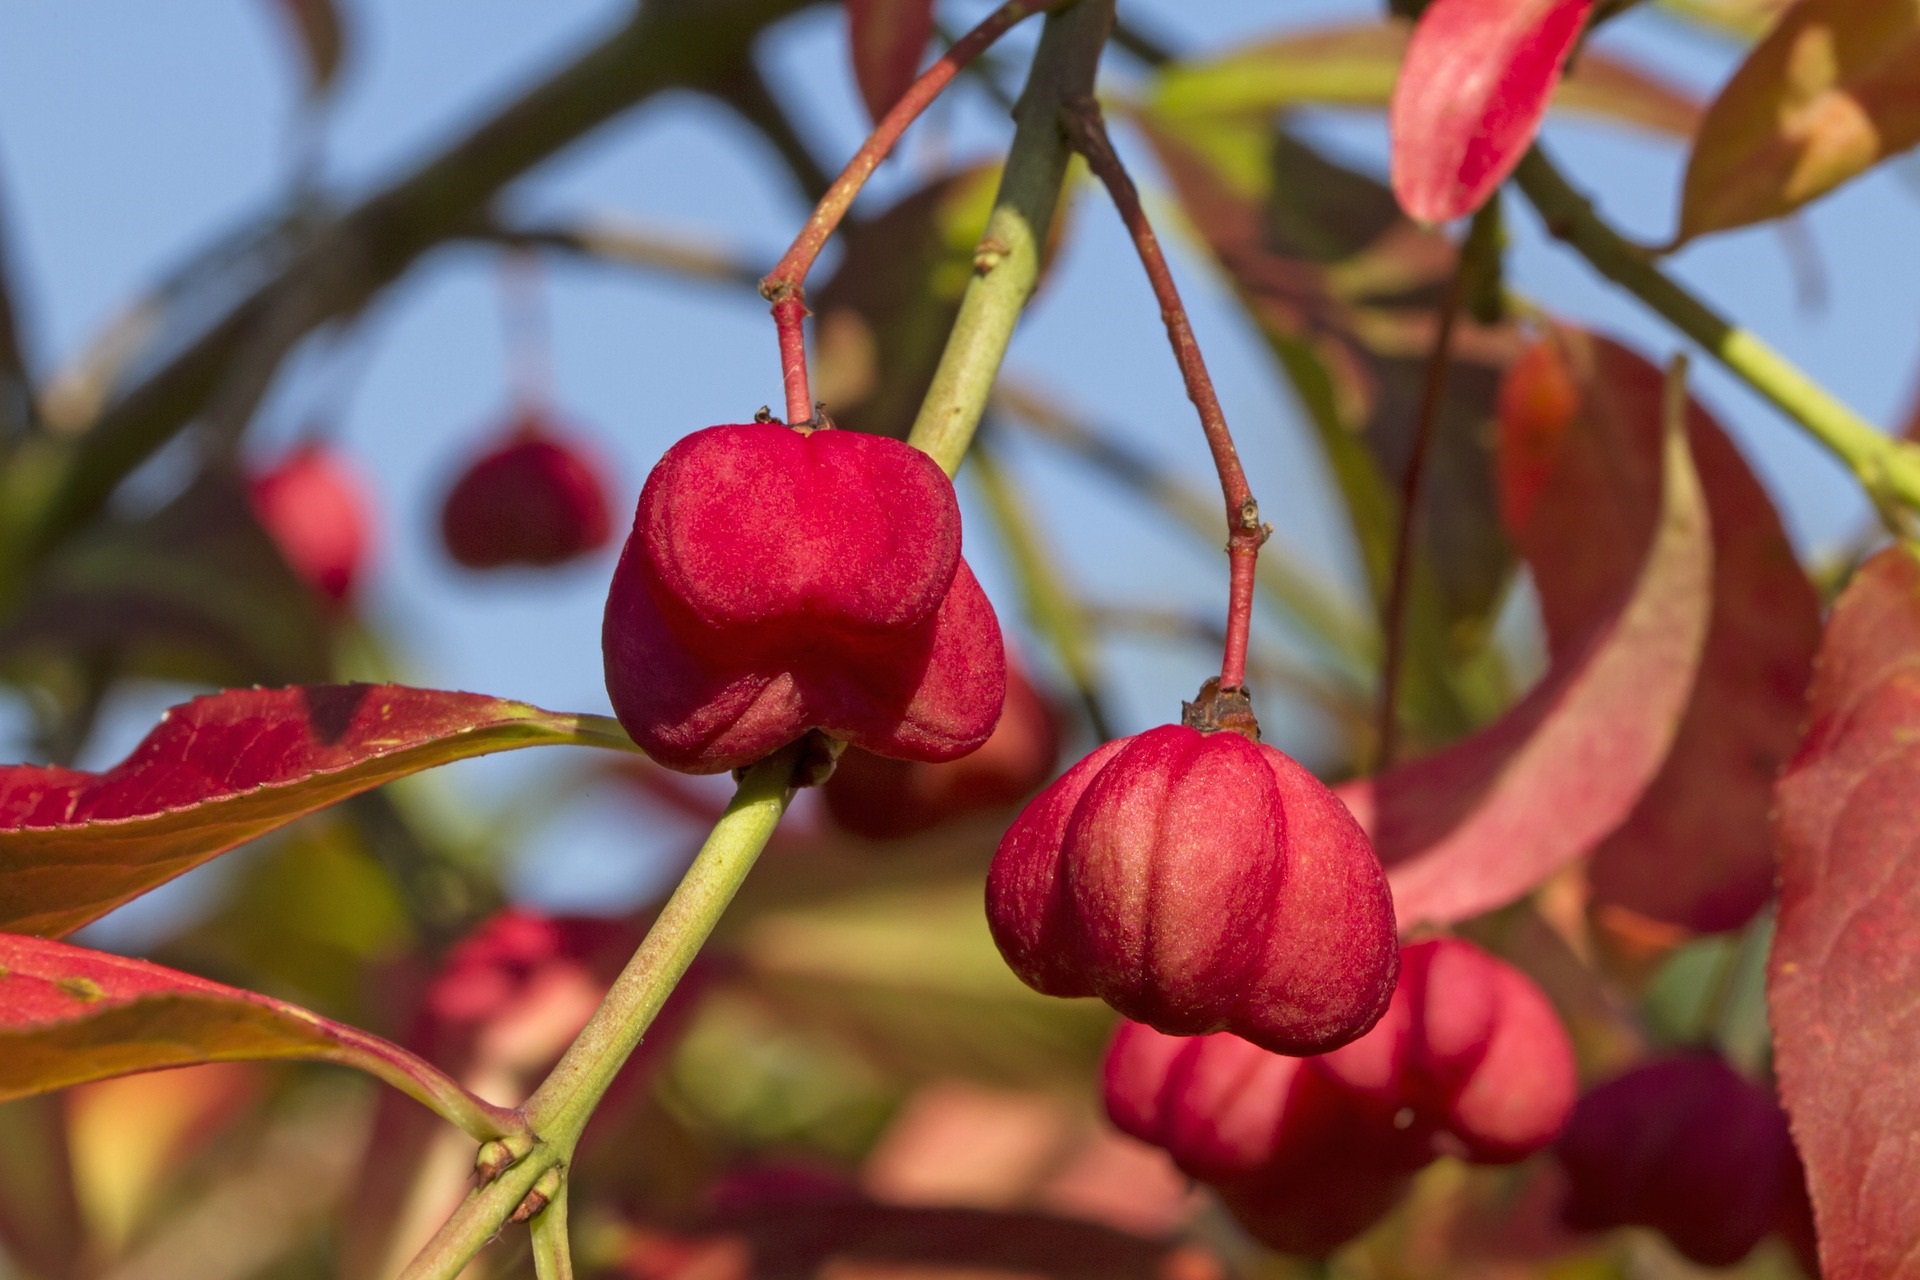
<point>1087,130</point>
<point>790,318</point>
<point>788,278</point>
<point>786,285</point>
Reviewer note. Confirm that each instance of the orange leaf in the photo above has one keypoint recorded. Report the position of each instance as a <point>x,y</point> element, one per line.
<point>1829,93</point>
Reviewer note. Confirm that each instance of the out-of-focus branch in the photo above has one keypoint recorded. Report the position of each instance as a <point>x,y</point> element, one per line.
<point>748,93</point>
<point>53,485</point>
<point>625,245</point>
<point>16,377</point>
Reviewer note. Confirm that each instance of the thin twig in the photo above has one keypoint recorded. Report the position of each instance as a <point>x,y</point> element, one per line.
<point>786,285</point>
<point>789,275</point>
<point>1006,261</point>
<point>1088,132</point>
<point>1393,619</point>
<point>1344,636</point>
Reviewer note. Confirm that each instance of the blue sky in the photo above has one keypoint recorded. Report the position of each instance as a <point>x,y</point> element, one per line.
<point>131,133</point>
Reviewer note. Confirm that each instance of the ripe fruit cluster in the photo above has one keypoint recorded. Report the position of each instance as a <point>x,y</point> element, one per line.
<point>1470,1060</point>
<point>1688,1146</point>
<point>779,580</point>
<point>1199,882</point>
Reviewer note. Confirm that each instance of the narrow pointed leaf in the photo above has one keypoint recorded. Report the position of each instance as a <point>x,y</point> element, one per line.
<point>69,1015</point>
<point>1844,969</point>
<point>224,769</point>
<point>888,38</point>
<point>1830,92</point>
<point>1580,484</point>
<point>1356,66</point>
<point>1471,95</point>
<point>1480,823</point>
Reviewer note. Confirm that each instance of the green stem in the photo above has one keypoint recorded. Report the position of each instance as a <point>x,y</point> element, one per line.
<point>552,1257</point>
<point>558,1111</point>
<point>1007,261</point>
<point>1887,468</point>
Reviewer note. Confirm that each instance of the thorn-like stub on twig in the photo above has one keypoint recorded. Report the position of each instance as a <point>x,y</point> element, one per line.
<point>539,1198</point>
<point>500,1155</point>
<point>989,254</point>
<point>777,291</point>
<point>1218,710</point>
<point>763,414</point>
<point>1250,516</point>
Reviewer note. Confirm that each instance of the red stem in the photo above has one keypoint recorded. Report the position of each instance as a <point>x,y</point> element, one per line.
<point>785,285</point>
<point>1088,132</point>
<point>790,317</point>
<point>1413,483</point>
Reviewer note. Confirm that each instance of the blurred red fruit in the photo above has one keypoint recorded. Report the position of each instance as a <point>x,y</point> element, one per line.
<point>1690,1147</point>
<point>1199,882</point>
<point>884,799</point>
<point>778,581</point>
<point>534,499</point>
<point>1303,1164</point>
<point>1310,1152</point>
<point>315,507</point>
<point>1472,1048</point>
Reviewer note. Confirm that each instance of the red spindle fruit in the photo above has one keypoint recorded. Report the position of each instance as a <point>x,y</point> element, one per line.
<point>534,499</point>
<point>1688,1146</point>
<point>884,799</point>
<point>1303,1164</point>
<point>781,580</point>
<point>1199,882</point>
<point>1472,1049</point>
<point>315,508</point>
<point>1309,1152</point>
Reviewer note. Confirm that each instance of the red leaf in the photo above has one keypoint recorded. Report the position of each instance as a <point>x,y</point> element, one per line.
<point>1845,963</point>
<point>1476,825</point>
<point>224,769</point>
<point>1580,485</point>
<point>1471,95</point>
<point>69,1015</point>
<point>888,39</point>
